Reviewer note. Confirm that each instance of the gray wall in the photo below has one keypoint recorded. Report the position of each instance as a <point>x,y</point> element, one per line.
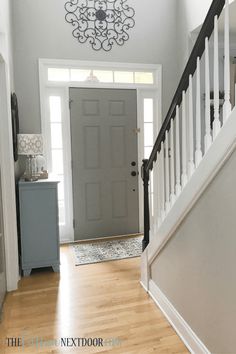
<point>196,269</point>
<point>6,30</point>
<point>40,31</point>
<point>190,14</point>
<point>7,47</point>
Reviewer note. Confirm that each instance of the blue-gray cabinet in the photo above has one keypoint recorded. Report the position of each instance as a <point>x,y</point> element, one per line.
<point>39,225</point>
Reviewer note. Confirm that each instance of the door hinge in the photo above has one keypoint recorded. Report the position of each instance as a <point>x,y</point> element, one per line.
<point>70,102</point>
<point>73,223</point>
<point>136,130</point>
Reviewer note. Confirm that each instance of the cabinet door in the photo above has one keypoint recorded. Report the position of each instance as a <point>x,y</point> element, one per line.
<point>39,225</point>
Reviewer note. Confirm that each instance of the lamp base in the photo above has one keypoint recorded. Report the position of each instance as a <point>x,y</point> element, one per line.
<point>30,179</point>
<point>30,172</point>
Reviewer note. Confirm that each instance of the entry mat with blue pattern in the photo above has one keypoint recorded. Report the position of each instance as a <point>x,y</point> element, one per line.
<point>103,251</point>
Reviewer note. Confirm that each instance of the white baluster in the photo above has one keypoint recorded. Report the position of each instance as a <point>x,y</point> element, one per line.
<point>177,155</point>
<point>190,128</point>
<point>151,202</point>
<point>216,123</point>
<point>156,200</point>
<point>184,142</point>
<point>198,152</point>
<point>159,191</point>
<point>172,164</point>
<point>162,170</point>
<point>227,104</point>
<point>167,173</point>
<point>153,196</point>
<point>208,137</point>
<point>235,94</point>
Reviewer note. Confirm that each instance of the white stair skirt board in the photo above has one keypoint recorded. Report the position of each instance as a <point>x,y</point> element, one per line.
<point>218,153</point>
<point>190,339</point>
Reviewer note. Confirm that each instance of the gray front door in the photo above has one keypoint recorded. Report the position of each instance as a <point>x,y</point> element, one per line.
<point>2,254</point>
<point>104,162</point>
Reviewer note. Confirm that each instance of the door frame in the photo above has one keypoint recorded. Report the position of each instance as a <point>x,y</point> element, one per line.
<point>62,88</point>
<point>8,173</point>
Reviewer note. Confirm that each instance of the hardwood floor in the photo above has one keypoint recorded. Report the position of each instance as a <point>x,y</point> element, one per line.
<point>103,300</point>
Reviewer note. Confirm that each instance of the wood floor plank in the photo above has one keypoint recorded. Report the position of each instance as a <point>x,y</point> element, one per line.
<point>103,300</point>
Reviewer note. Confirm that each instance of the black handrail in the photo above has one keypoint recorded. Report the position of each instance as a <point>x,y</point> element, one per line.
<point>198,49</point>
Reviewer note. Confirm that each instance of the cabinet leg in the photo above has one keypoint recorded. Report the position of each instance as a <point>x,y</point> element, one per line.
<point>56,268</point>
<point>26,272</point>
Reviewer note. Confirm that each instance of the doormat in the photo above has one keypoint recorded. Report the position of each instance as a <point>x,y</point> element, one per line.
<point>103,251</point>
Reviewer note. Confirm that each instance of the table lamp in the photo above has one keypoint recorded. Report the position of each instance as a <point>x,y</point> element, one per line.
<point>30,145</point>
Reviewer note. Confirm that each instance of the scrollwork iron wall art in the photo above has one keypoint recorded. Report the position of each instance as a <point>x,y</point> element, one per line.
<point>100,22</point>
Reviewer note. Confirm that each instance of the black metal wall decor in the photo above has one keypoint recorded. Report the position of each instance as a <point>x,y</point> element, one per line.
<point>102,23</point>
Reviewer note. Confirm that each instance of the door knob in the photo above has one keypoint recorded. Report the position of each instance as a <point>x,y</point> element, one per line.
<point>133,163</point>
<point>133,173</point>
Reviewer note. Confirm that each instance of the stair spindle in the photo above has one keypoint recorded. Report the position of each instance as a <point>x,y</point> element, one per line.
<point>208,138</point>
<point>190,128</point>
<point>151,206</point>
<point>216,123</point>
<point>162,169</point>
<point>167,172</point>
<point>184,142</point>
<point>227,104</point>
<point>177,155</point>
<point>235,94</point>
<point>155,196</point>
<point>159,191</point>
<point>172,164</point>
<point>198,152</point>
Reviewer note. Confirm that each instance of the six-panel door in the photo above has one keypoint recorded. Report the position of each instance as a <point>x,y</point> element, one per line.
<point>104,162</point>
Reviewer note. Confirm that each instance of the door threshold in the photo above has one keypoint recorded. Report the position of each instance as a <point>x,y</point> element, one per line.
<point>107,238</point>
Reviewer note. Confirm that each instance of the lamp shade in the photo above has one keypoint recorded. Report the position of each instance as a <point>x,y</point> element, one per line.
<point>30,144</point>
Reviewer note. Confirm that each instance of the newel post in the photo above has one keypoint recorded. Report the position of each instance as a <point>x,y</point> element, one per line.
<point>145,178</point>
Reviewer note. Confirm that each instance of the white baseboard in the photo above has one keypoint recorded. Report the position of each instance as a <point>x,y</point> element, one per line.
<point>146,289</point>
<point>190,339</point>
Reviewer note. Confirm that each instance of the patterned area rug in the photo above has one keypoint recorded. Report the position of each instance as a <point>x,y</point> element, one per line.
<point>103,251</point>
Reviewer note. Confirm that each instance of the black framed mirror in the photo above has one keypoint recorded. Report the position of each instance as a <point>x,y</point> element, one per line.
<point>15,124</point>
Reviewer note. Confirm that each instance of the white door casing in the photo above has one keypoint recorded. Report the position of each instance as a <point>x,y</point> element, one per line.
<point>8,177</point>
<point>2,252</point>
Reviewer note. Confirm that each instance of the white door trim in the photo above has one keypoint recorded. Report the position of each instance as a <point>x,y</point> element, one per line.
<point>156,88</point>
<point>8,179</point>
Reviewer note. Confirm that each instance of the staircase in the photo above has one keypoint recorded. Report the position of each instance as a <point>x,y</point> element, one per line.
<point>197,137</point>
